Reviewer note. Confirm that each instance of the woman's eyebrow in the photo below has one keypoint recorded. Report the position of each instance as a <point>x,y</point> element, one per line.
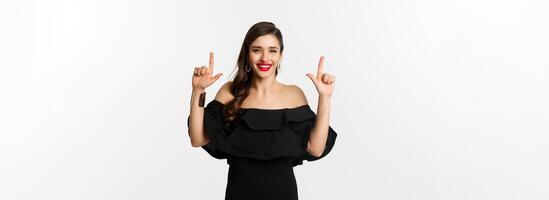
<point>273,47</point>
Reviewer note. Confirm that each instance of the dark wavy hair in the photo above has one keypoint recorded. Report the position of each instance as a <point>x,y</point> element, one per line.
<point>241,84</point>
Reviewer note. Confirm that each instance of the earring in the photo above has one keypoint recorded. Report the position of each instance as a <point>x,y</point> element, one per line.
<point>278,67</point>
<point>248,68</point>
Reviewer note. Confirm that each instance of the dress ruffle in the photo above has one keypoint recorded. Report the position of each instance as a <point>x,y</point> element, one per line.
<point>262,133</point>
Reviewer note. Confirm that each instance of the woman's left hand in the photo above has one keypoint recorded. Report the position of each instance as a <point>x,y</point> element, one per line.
<point>324,82</point>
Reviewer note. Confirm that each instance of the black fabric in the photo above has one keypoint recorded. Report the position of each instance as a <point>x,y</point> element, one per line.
<point>253,179</point>
<point>262,143</point>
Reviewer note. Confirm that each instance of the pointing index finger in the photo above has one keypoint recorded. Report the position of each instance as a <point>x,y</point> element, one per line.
<point>320,66</point>
<point>211,64</point>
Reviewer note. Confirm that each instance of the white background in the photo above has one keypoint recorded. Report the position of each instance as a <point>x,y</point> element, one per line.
<point>433,99</point>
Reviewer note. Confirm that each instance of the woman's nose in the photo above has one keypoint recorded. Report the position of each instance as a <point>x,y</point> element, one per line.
<point>264,57</point>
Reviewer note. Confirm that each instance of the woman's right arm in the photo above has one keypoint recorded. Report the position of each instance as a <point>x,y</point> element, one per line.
<point>202,78</point>
<point>196,120</point>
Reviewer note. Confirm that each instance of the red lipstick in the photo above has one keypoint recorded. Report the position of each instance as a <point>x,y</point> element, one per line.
<point>264,66</point>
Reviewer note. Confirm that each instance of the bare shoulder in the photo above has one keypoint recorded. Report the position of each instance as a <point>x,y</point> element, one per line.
<point>296,95</point>
<point>224,93</point>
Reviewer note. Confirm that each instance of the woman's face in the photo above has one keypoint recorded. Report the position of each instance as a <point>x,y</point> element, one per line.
<point>265,55</point>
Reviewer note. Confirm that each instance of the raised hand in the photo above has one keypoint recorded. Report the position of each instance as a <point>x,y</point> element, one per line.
<point>324,82</point>
<point>202,77</point>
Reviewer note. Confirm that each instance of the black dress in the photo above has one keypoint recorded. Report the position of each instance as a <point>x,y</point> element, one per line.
<point>261,147</point>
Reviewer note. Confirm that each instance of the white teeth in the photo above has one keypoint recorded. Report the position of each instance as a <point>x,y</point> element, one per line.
<point>264,66</point>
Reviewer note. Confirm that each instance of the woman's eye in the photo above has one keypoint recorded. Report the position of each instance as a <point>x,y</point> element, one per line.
<point>273,51</point>
<point>255,50</point>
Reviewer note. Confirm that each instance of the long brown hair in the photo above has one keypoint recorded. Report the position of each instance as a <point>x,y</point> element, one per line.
<point>241,84</point>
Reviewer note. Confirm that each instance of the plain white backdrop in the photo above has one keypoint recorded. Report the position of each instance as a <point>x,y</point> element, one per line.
<point>434,100</point>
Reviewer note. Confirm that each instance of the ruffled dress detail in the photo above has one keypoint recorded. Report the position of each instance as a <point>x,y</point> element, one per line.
<point>262,133</point>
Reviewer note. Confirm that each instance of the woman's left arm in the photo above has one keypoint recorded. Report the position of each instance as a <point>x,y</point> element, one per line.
<point>324,84</point>
<point>319,133</point>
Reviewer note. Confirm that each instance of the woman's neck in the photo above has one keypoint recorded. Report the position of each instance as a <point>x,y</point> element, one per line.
<point>264,87</point>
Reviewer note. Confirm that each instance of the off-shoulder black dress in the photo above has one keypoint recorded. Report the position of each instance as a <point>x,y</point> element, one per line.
<point>261,147</point>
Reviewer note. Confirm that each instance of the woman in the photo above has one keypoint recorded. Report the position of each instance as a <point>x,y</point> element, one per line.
<point>262,127</point>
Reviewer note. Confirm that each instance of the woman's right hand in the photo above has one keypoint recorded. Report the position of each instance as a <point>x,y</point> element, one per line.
<point>202,77</point>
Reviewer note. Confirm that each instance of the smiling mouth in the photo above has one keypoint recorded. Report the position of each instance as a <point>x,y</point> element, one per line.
<point>264,67</point>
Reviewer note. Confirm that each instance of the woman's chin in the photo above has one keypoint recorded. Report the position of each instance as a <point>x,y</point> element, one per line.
<point>262,74</point>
